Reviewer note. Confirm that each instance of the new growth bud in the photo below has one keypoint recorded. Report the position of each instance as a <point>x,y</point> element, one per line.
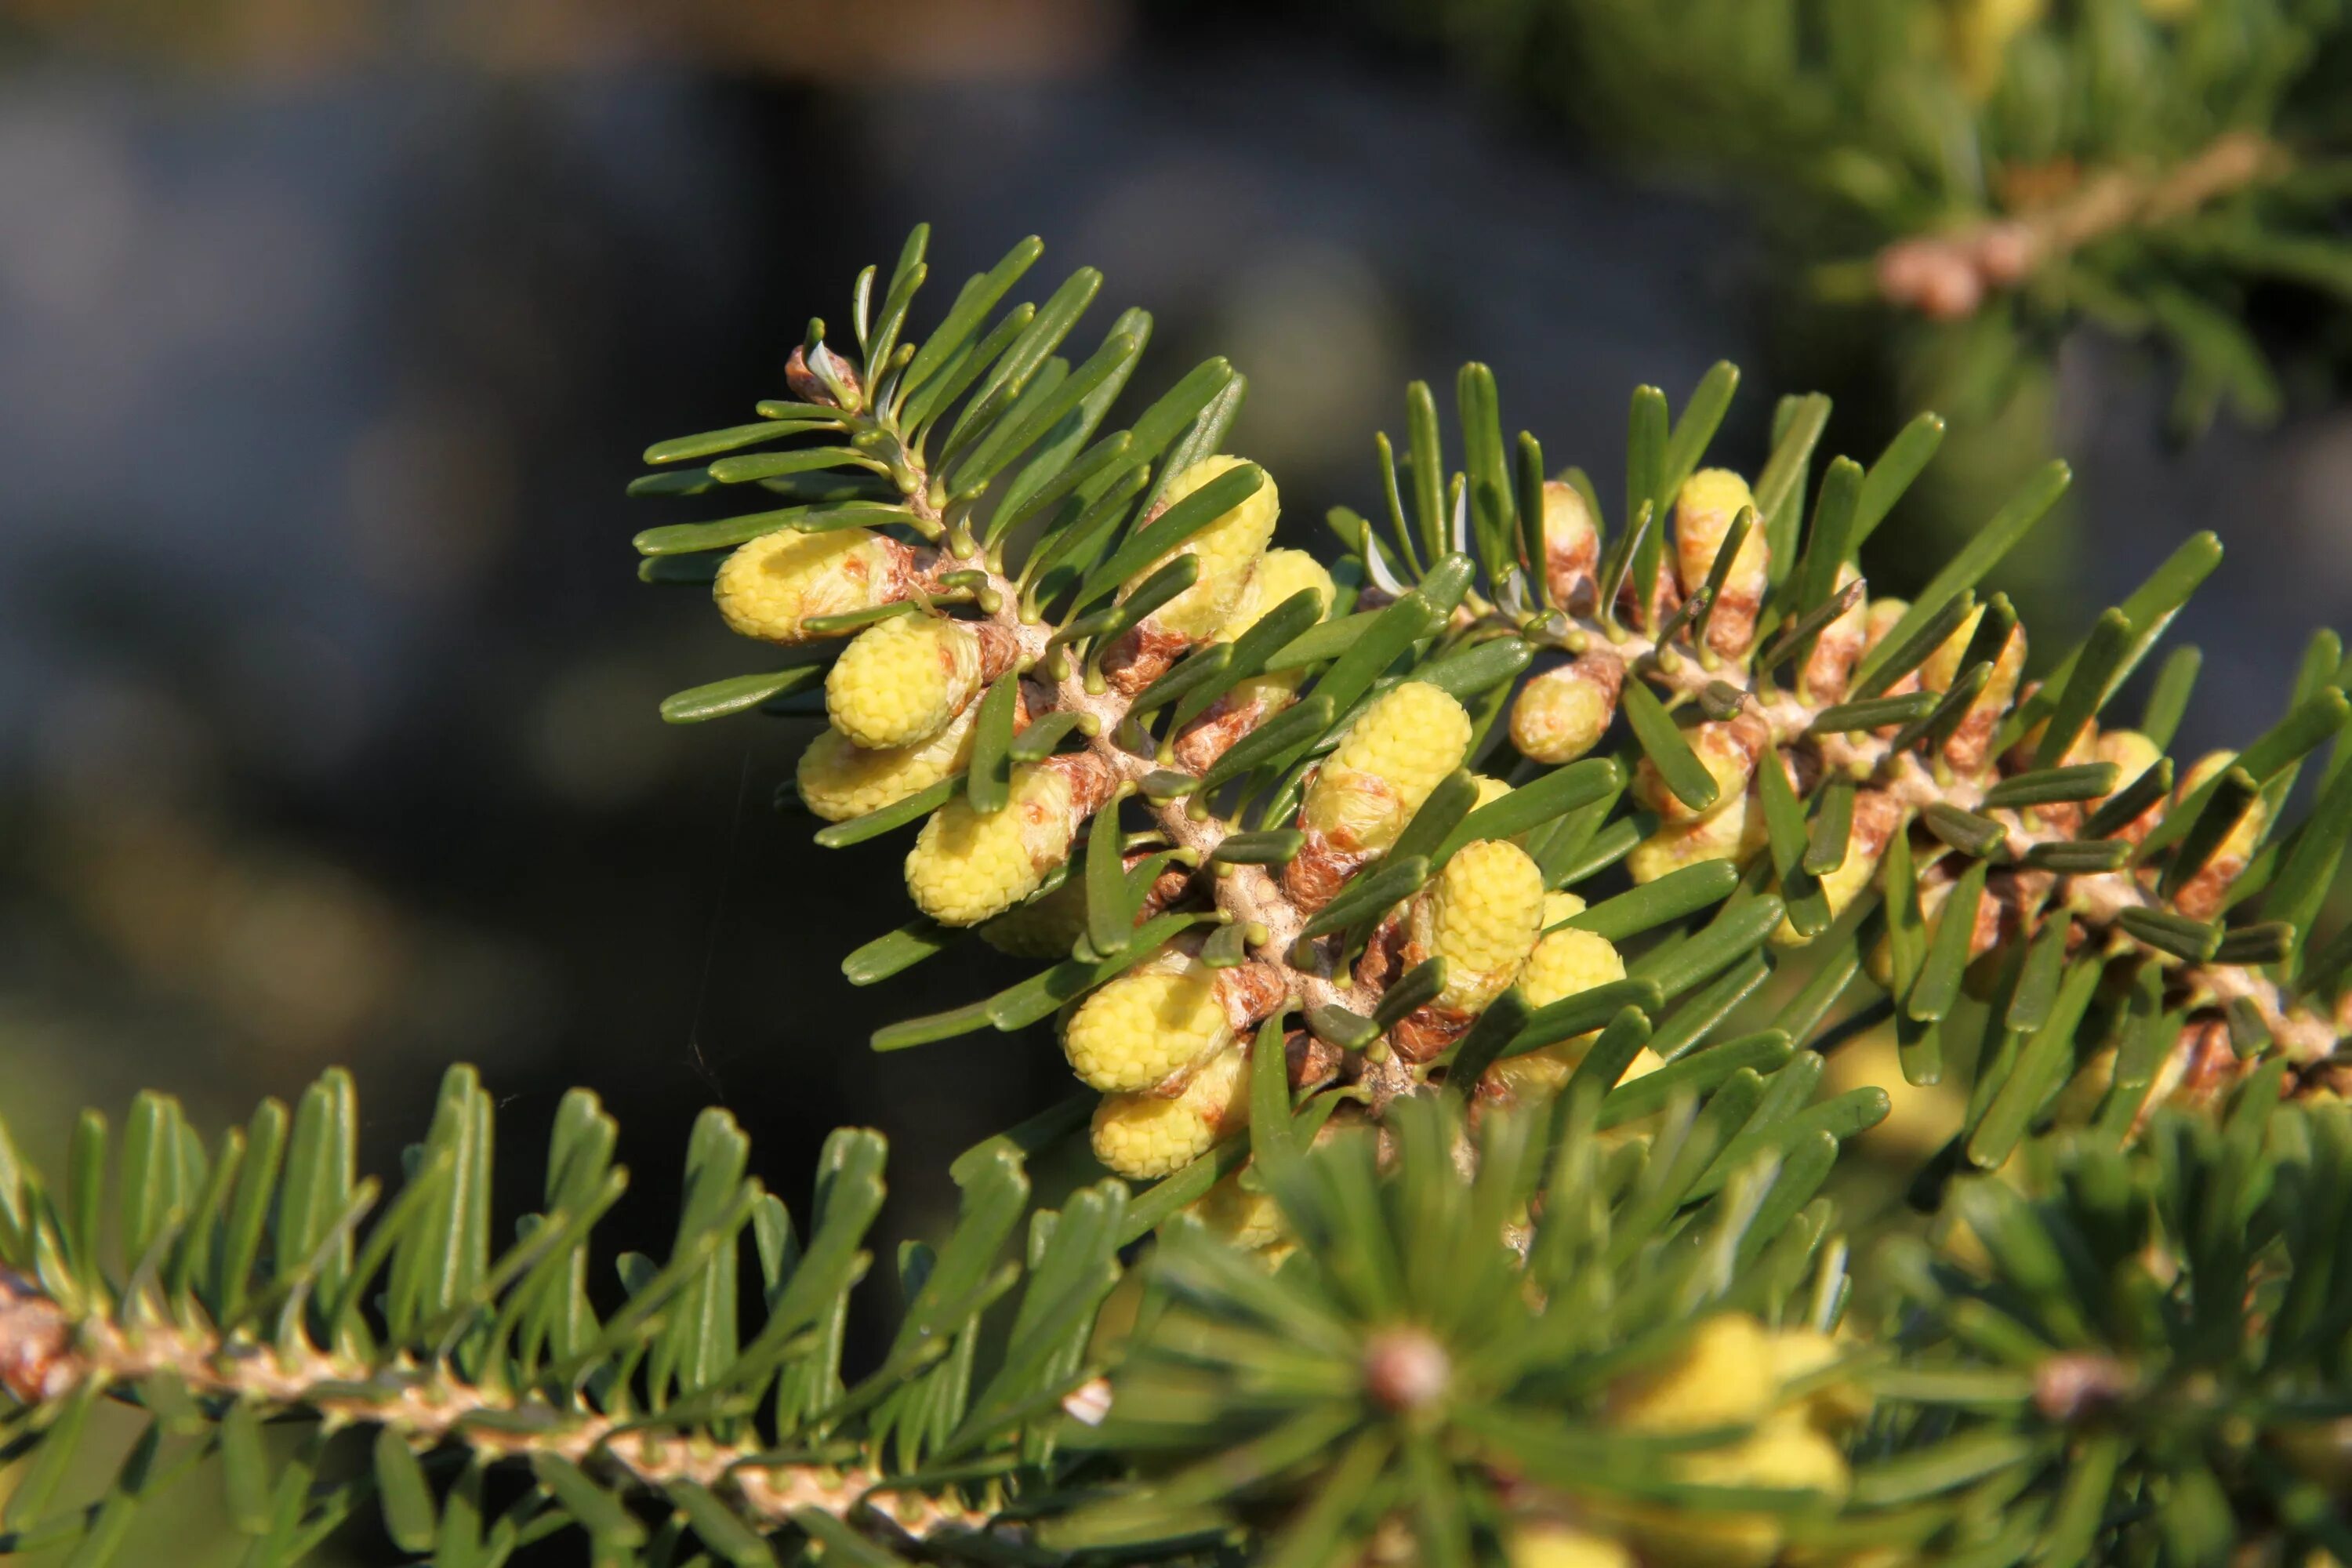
<point>769,587</point>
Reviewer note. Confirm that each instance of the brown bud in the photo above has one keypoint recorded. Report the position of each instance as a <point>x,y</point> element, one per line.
<point>1951,289</point>
<point>1319,870</point>
<point>2073,1385</point>
<point>1423,1034</point>
<point>1309,1061</point>
<point>2133,755</point>
<point>1249,993</point>
<point>2200,1069</point>
<point>1090,779</point>
<point>38,1362</point>
<point>1142,655</point>
<point>824,377</point>
<point>1223,722</point>
<point>1665,598</point>
<point>1406,1368</point>
<point>2005,253</point>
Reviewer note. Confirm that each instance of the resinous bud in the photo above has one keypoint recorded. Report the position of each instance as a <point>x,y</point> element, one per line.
<point>770,587</point>
<point>1704,510</point>
<point>1562,713</point>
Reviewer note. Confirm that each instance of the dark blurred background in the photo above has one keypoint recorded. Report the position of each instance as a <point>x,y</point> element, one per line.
<point>330,330</point>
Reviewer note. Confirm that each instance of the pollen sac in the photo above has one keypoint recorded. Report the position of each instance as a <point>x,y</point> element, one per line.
<point>1482,915</point>
<point>1146,1026</point>
<point>966,868</point>
<point>1726,749</point>
<point>1709,502</point>
<point>1571,548</point>
<point>1241,1216</point>
<point>2133,755</point>
<point>1226,550</point>
<point>1562,713</point>
<point>1784,1453</point>
<point>1554,1545</point>
<point>769,587</point>
<point>839,780</point>
<point>1877,817</point>
<point>1144,1137</point>
<point>1046,926</point>
<point>1278,574</point>
<point>1722,1376</point>
<point>1721,834</point>
<point>2203,895</point>
<point>1837,648</point>
<point>1970,749</point>
<point>1567,963</point>
<point>1403,747</point>
<point>899,683</point>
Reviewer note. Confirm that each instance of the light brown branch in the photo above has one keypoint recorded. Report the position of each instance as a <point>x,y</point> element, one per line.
<point>2056,210</point>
